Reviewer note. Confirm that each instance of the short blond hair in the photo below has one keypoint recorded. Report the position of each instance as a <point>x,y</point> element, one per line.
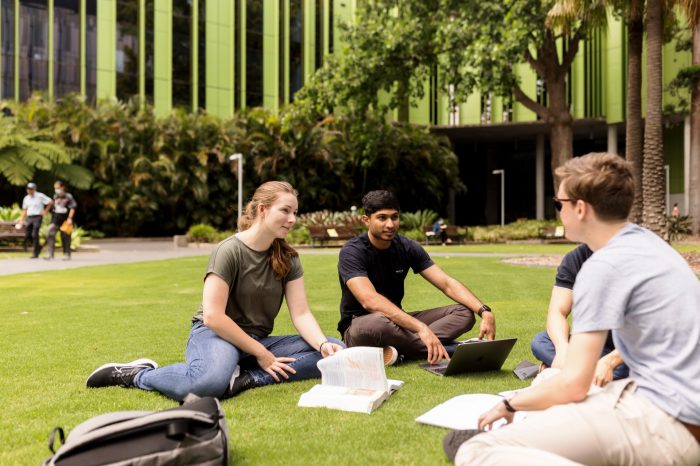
<point>603,180</point>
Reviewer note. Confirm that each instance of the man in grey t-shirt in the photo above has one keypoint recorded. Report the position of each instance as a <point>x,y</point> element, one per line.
<point>638,286</point>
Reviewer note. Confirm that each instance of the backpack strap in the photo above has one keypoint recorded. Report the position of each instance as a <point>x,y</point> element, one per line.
<point>52,438</point>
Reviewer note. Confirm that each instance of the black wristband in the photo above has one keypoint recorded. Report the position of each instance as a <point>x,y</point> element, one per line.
<point>482,309</point>
<point>508,406</point>
<point>320,347</point>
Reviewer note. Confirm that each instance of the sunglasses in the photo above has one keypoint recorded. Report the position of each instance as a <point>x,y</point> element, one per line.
<point>558,202</point>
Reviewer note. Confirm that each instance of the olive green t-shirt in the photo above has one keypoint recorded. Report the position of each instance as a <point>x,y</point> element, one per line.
<point>255,296</point>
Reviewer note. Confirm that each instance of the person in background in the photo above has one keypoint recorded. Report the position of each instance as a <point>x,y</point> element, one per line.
<point>63,211</point>
<point>34,206</point>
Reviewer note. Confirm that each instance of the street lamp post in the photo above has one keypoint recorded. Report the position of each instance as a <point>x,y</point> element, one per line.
<point>503,192</point>
<point>238,157</point>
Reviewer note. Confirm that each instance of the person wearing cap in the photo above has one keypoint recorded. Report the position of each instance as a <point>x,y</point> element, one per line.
<point>63,211</point>
<point>372,268</point>
<point>34,206</point>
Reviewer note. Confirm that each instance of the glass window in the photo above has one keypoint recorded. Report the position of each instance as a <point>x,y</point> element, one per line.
<point>202,55</point>
<point>33,50</point>
<point>90,49</point>
<point>66,47</point>
<point>182,53</point>
<point>127,49</point>
<point>254,53</point>
<point>296,47</point>
<point>8,49</point>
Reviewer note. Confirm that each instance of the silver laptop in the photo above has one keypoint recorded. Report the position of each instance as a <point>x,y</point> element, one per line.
<point>474,356</point>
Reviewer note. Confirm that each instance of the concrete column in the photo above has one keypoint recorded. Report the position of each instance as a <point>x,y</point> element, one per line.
<point>685,208</point>
<point>539,177</point>
<point>612,139</point>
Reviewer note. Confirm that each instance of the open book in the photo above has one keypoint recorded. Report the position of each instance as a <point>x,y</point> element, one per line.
<point>351,380</point>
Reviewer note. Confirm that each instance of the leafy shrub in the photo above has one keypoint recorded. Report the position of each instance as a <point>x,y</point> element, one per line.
<point>299,235</point>
<point>202,233</point>
<point>10,214</point>
<point>418,219</point>
<point>520,230</point>
<point>414,234</point>
<point>678,227</point>
<point>222,235</point>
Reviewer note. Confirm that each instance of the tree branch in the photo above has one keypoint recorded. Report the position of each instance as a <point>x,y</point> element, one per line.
<point>523,98</point>
<point>572,50</point>
<point>534,63</point>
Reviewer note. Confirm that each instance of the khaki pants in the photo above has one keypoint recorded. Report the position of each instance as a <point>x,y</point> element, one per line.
<point>447,323</point>
<point>613,427</point>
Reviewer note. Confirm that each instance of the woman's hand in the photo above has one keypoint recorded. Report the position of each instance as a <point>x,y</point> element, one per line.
<point>275,366</point>
<point>329,349</point>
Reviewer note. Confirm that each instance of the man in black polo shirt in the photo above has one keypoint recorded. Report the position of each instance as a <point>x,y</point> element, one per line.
<point>550,347</point>
<point>372,269</point>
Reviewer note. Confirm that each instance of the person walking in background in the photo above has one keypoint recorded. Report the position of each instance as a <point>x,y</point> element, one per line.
<point>230,348</point>
<point>34,206</point>
<point>63,212</point>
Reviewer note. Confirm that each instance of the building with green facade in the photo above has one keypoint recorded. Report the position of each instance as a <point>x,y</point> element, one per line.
<point>225,55</point>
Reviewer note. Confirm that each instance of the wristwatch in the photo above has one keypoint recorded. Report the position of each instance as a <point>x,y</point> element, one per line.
<point>482,309</point>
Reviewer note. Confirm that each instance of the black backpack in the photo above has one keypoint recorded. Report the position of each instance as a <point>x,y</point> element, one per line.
<point>193,434</point>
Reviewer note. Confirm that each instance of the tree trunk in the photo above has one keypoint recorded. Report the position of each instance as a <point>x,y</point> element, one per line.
<point>634,129</point>
<point>561,133</point>
<point>653,175</point>
<point>694,185</point>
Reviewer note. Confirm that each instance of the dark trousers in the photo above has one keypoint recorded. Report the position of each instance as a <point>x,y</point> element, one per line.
<point>55,226</point>
<point>31,233</point>
<point>375,329</point>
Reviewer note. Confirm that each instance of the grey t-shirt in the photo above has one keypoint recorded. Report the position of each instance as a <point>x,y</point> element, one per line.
<point>643,289</point>
<point>255,296</point>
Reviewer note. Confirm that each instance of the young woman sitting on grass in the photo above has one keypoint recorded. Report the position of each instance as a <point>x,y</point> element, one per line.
<point>229,348</point>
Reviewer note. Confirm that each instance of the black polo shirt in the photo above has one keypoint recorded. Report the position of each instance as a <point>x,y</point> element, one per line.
<point>570,266</point>
<point>385,268</point>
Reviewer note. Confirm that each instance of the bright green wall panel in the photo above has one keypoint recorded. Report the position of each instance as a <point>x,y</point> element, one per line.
<point>309,53</point>
<point>614,82</point>
<point>528,84</point>
<point>673,62</point>
<point>470,111</point>
<point>578,83</point>
<point>219,57</point>
<point>106,49</point>
<point>419,110</point>
<point>271,62</point>
<point>163,59</point>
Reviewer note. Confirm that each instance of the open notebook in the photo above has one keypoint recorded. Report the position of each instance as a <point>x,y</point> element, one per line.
<point>351,380</point>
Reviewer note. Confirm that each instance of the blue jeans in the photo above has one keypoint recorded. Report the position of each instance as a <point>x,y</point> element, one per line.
<point>543,349</point>
<point>211,362</point>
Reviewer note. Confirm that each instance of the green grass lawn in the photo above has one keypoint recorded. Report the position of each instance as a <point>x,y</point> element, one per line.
<point>59,326</point>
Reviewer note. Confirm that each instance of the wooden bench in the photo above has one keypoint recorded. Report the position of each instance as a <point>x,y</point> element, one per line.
<point>553,234</point>
<point>9,231</point>
<point>452,232</point>
<point>321,234</point>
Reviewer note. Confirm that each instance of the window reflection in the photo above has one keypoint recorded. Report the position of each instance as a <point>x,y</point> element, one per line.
<point>90,49</point>
<point>254,53</point>
<point>182,50</point>
<point>296,46</point>
<point>66,47</point>
<point>33,50</point>
<point>127,49</point>
<point>8,48</point>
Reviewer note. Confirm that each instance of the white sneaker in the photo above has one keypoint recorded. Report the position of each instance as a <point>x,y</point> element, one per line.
<point>390,355</point>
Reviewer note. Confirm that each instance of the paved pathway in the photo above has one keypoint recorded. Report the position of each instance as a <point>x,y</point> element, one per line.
<point>121,251</point>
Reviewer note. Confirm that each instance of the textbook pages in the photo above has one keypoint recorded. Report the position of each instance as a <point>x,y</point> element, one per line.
<point>351,380</point>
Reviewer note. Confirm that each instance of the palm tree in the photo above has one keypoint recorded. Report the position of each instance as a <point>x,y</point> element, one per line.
<point>653,179</point>
<point>691,9</point>
<point>566,12</point>
<point>634,129</point>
